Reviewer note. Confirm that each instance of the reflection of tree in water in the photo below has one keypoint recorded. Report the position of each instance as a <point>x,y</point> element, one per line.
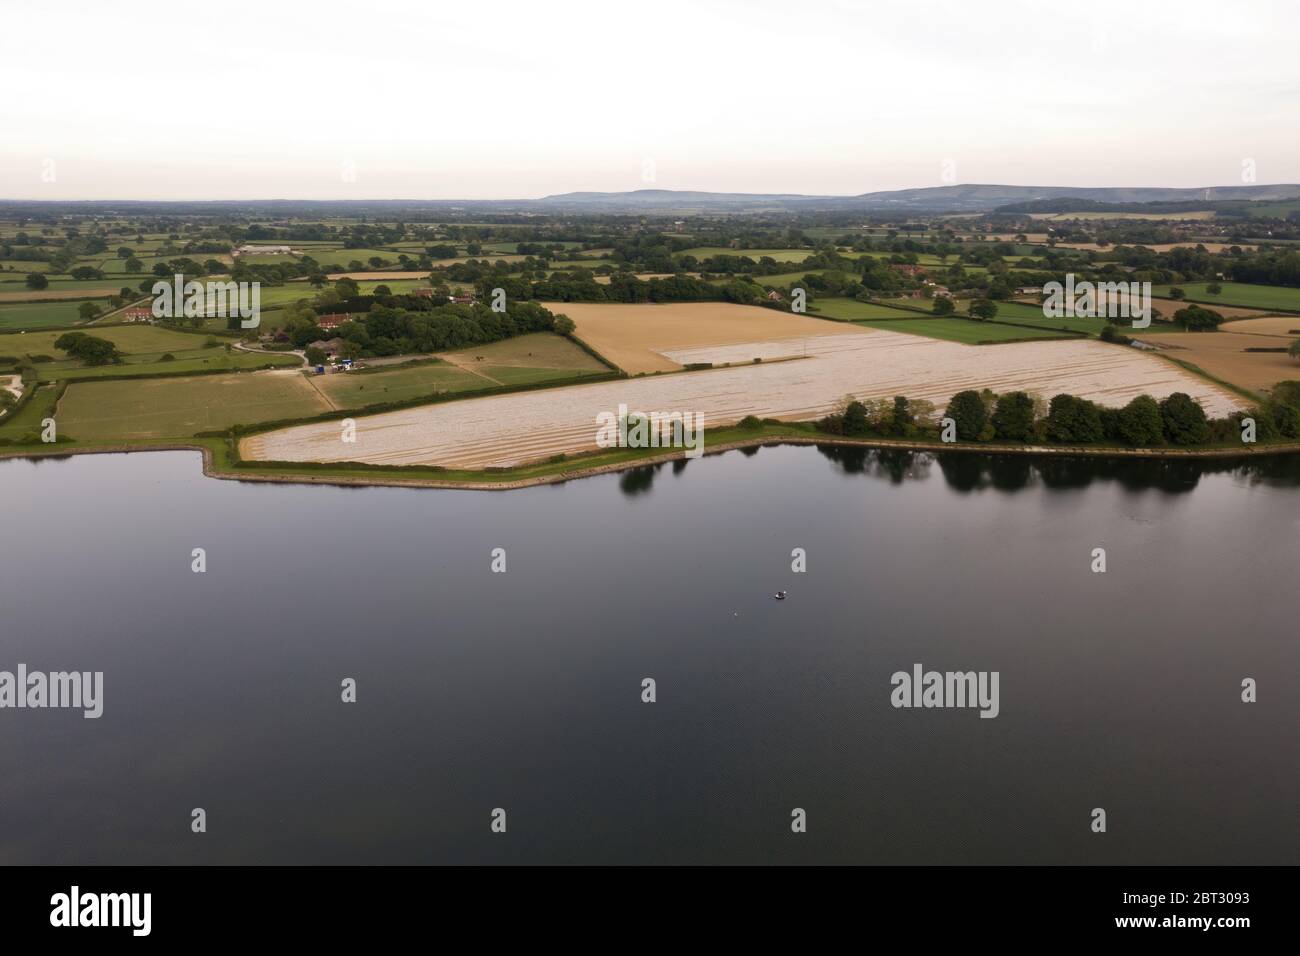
<point>1010,472</point>
<point>971,471</point>
<point>638,481</point>
<point>896,464</point>
<point>679,465</point>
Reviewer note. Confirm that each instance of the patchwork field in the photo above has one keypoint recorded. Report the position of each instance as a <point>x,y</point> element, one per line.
<point>172,407</point>
<point>512,429</point>
<point>634,337</point>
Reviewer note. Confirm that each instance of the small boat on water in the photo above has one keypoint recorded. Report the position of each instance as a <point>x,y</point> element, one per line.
<point>779,595</point>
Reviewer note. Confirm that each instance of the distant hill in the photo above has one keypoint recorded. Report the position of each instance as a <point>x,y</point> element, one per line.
<point>970,198</point>
<point>964,198</point>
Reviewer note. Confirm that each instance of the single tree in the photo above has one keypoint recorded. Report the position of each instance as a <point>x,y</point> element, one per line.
<point>968,411</point>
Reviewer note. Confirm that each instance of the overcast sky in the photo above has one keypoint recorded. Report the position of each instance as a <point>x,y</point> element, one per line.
<point>511,99</point>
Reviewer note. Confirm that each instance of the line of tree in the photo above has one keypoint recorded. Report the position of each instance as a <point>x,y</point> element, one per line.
<point>983,416</point>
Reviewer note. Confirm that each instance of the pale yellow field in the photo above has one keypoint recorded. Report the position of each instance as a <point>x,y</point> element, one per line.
<point>1224,355</point>
<point>1285,325</point>
<point>635,337</point>
<point>512,429</point>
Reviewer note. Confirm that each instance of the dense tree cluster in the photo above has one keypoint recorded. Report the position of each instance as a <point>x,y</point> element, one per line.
<point>398,325</point>
<point>88,348</point>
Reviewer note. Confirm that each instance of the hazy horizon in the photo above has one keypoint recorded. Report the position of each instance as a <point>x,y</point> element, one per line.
<point>837,97</point>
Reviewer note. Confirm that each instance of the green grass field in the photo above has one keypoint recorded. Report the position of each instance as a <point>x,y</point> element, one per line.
<point>143,347</point>
<point>179,407</point>
<point>192,361</point>
<point>342,257</point>
<point>966,331</point>
<point>535,350</point>
<point>1026,314</point>
<point>357,389</point>
<point>27,420</point>
<point>12,283</point>
<point>853,310</point>
<point>22,267</point>
<point>1238,293</point>
<point>129,339</point>
<point>41,315</point>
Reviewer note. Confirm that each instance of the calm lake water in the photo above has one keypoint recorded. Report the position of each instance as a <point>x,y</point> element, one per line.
<point>522,690</point>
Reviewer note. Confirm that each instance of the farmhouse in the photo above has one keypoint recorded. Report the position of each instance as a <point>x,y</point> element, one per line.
<point>138,313</point>
<point>263,250</point>
<point>334,320</point>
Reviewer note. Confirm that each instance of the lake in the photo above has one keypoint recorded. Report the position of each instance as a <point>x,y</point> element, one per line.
<point>522,690</point>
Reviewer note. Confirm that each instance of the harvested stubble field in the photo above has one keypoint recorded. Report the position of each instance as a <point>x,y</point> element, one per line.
<point>1224,355</point>
<point>634,337</point>
<point>513,429</point>
<point>1287,325</point>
